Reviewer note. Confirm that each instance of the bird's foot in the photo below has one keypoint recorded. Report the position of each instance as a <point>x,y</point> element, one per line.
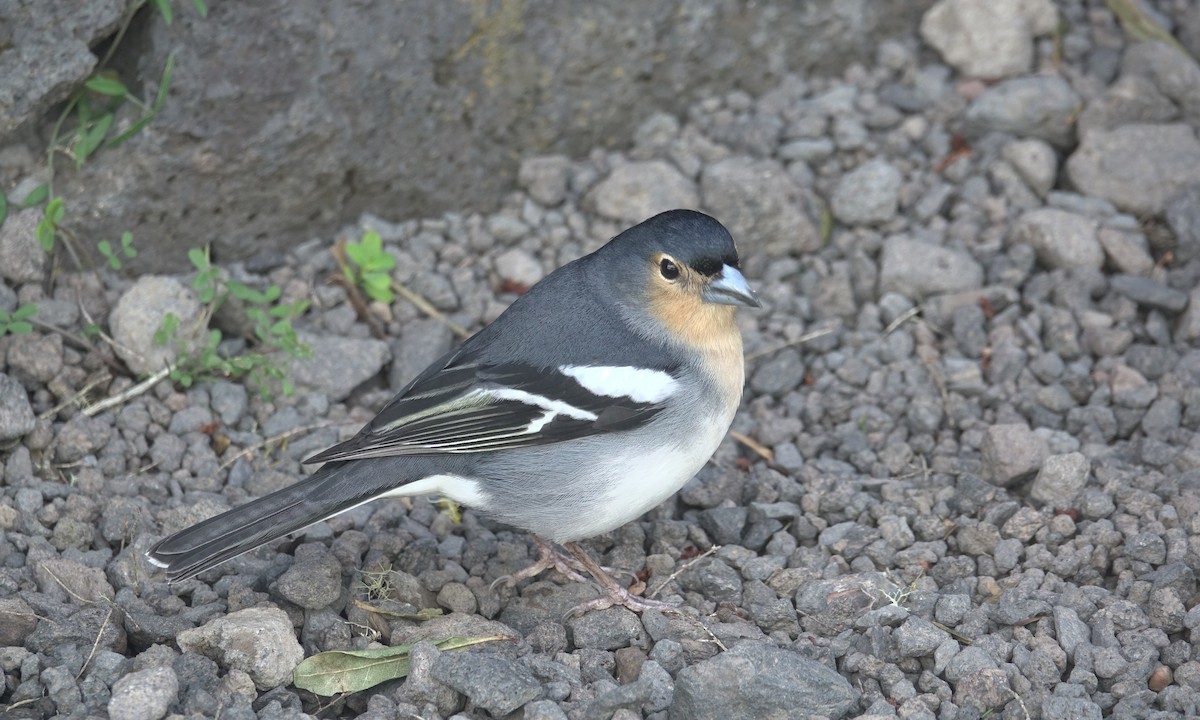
<point>622,597</point>
<point>614,593</point>
<point>549,557</point>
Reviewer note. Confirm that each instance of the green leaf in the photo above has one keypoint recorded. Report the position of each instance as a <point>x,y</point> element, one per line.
<point>45,235</point>
<point>3,207</point>
<point>36,196</point>
<point>90,140</point>
<point>339,671</point>
<point>164,7</point>
<point>20,328</point>
<point>55,211</point>
<point>200,8</point>
<point>164,83</point>
<point>127,244</point>
<point>166,331</point>
<point>199,258</point>
<point>106,86</point>
<point>24,312</point>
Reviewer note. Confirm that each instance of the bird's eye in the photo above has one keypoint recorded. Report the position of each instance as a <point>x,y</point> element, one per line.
<point>668,268</point>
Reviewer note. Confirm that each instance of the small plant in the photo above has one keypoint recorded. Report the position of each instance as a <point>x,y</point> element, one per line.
<point>48,227</point>
<point>17,323</point>
<point>373,266</point>
<point>114,255</point>
<point>273,332</point>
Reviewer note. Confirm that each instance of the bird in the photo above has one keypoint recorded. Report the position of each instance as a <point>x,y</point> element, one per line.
<point>595,396</point>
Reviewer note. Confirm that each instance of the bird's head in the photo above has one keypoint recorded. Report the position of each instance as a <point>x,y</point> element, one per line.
<point>682,266</point>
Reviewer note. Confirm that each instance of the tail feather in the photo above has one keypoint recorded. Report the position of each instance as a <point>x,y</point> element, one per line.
<point>206,544</point>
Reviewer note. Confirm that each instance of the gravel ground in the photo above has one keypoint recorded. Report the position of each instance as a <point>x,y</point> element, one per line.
<point>974,392</point>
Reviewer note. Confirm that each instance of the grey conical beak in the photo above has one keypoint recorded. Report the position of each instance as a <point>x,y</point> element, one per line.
<point>730,288</point>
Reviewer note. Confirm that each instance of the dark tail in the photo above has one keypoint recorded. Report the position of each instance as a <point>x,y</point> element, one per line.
<point>332,489</point>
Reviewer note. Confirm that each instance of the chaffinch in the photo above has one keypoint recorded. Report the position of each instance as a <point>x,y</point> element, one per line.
<point>589,401</point>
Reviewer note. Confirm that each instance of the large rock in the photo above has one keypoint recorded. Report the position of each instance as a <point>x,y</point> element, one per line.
<point>918,269</point>
<point>1139,167</point>
<point>418,107</point>
<point>1061,239</point>
<point>756,680</point>
<point>1041,106</point>
<point>760,204</point>
<point>635,191</point>
<point>337,364</point>
<point>988,38</point>
<point>139,314</point>
<point>47,52</point>
<point>259,641</point>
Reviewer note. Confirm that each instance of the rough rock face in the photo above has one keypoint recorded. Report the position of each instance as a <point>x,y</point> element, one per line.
<point>413,108</point>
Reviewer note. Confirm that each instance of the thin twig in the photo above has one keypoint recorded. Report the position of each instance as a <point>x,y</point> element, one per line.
<point>902,318</point>
<point>77,397</point>
<point>807,337</point>
<point>761,450</point>
<point>70,592</point>
<point>96,644</point>
<point>128,395</point>
<point>683,569</point>
<point>343,279</point>
<point>426,307</point>
<point>284,436</point>
<point>103,335</point>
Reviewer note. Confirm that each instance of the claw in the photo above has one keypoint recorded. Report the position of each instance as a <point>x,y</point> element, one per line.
<point>548,558</point>
<point>614,593</point>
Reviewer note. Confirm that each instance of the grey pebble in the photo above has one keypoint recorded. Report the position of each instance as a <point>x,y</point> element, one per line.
<point>144,695</point>
<point>493,683</point>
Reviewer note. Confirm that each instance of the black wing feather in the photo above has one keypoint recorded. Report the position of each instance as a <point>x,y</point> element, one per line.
<point>460,408</point>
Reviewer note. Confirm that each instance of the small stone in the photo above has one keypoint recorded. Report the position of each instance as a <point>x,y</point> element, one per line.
<point>35,360</point>
<point>338,364</point>
<point>506,228</point>
<point>19,620</point>
<point>1183,217</point>
<point>867,195</point>
<point>22,259</point>
<point>493,683</point>
<point>1038,106</point>
<point>1035,161</point>
<point>545,178</point>
<point>983,689</point>
<point>636,191</point>
<point>918,637</point>
<point>144,695</point>
<point>1160,678</point>
<point>1060,479</point>
<point>80,437</point>
<point>259,641</point>
<point>1061,239</point>
<point>1012,453</point>
<point>16,414</point>
<point>314,581</point>
<point>918,269</point>
<point>1127,251</point>
<point>1139,167</point>
<point>519,266</point>
<point>1146,547</point>
<point>1145,291</point>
